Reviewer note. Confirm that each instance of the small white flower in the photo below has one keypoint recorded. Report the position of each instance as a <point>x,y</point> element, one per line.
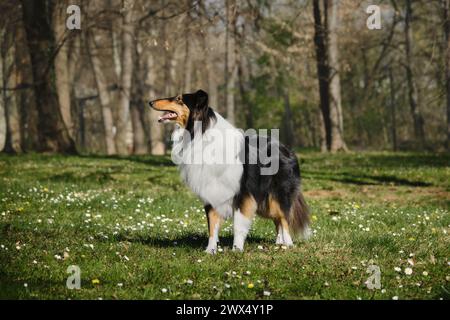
<point>189,281</point>
<point>395,298</point>
<point>425,273</point>
<point>267,293</point>
<point>397,269</point>
<point>25,285</point>
<point>408,271</point>
<point>164,290</point>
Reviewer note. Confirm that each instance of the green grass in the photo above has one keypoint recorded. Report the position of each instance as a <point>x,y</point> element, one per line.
<point>132,225</point>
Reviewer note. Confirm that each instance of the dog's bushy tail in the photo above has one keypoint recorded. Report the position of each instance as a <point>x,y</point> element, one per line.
<point>299,217</point>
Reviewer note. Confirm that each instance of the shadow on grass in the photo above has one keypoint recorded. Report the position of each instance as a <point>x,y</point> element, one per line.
<point>410,160</point>
<point>99,177</point>
<point>147,159</point>
<point>194,241</point>
<point>364,179</point>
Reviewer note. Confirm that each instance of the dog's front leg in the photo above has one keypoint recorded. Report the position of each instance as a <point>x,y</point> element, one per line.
<point>214,221</point>
<point>241,227</point>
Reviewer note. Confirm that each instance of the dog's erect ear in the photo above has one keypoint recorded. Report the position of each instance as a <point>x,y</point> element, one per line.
<point>179,99</point>
<point>197,100</point>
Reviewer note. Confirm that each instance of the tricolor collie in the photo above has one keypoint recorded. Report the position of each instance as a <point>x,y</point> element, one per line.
<point>237,186</point>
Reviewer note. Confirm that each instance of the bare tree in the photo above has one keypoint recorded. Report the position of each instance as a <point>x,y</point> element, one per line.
<point>104,96</point>
<point>123,114</point>
<point>336,117</point>
<point>156,130</point>
<point>446,13</point>
<point>418,121</point>
<point>2,104</point>
<point>230,58</point>
<point>393,110</point>
<point>53,134</point>
<point>209,40</point>
<point>11,78</point>
<point>62,72</point>
<point>326,43</point>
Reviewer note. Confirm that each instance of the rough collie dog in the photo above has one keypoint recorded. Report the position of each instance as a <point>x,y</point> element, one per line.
<point>237,187</point>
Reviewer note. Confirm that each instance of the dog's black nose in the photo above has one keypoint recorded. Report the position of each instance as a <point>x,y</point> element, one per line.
<point>151,104</point>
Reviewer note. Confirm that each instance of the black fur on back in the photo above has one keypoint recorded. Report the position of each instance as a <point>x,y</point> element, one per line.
<point>283,186</point>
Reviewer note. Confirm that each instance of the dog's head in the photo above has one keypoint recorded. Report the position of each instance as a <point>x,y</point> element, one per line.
<point>185,109</point>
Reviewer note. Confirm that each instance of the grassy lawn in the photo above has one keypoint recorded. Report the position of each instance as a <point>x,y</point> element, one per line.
<point>136,232</point>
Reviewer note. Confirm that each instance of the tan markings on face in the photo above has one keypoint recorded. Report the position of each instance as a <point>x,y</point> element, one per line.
<point>248,207</point>
<point>214,219</point>
<point>181,110</point>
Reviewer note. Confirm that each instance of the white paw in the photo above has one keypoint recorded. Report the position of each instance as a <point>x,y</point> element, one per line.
<point>211,250</point>
<point>238,249</point>
<point>279,240</point>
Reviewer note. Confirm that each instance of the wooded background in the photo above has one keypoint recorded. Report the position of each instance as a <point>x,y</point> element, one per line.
<point>309,67</point>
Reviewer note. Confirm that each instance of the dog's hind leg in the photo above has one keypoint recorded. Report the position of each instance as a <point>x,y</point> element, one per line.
<point>243,218</point>
<point>214,221</point>
<point>281,224</point>
<point>283,235</point>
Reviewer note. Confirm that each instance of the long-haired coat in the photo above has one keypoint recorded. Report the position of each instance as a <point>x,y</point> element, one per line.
<point>234,189</point>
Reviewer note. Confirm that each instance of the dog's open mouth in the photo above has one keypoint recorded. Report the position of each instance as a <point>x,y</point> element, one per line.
<point>167,116</point>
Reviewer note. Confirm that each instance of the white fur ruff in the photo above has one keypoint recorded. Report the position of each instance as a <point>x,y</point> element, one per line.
<point>215,183</point>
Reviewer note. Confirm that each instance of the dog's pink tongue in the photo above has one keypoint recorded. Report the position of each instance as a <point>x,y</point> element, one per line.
<point>167,116</point>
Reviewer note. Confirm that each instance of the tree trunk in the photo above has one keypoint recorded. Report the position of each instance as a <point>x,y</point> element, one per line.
<point>187,85</point>
<point>139,141</point>
<point>419,133</point>
<point>11,79</point>
<point>230,59</point>
<point>446,7</point>
<point>62,76</point>
<point>105,100</point>
<point>2,104</point>
<point>243,76</point>
<point>393,111</point>
<point>327,56</point>
<point>323,73</point>
<point>288,127</point>
<point>213,95</point>
<point>25,99</point>
<point>53,134</point>
<point>157,145</point>
<point>123,115</point>
<point>336,117</point>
